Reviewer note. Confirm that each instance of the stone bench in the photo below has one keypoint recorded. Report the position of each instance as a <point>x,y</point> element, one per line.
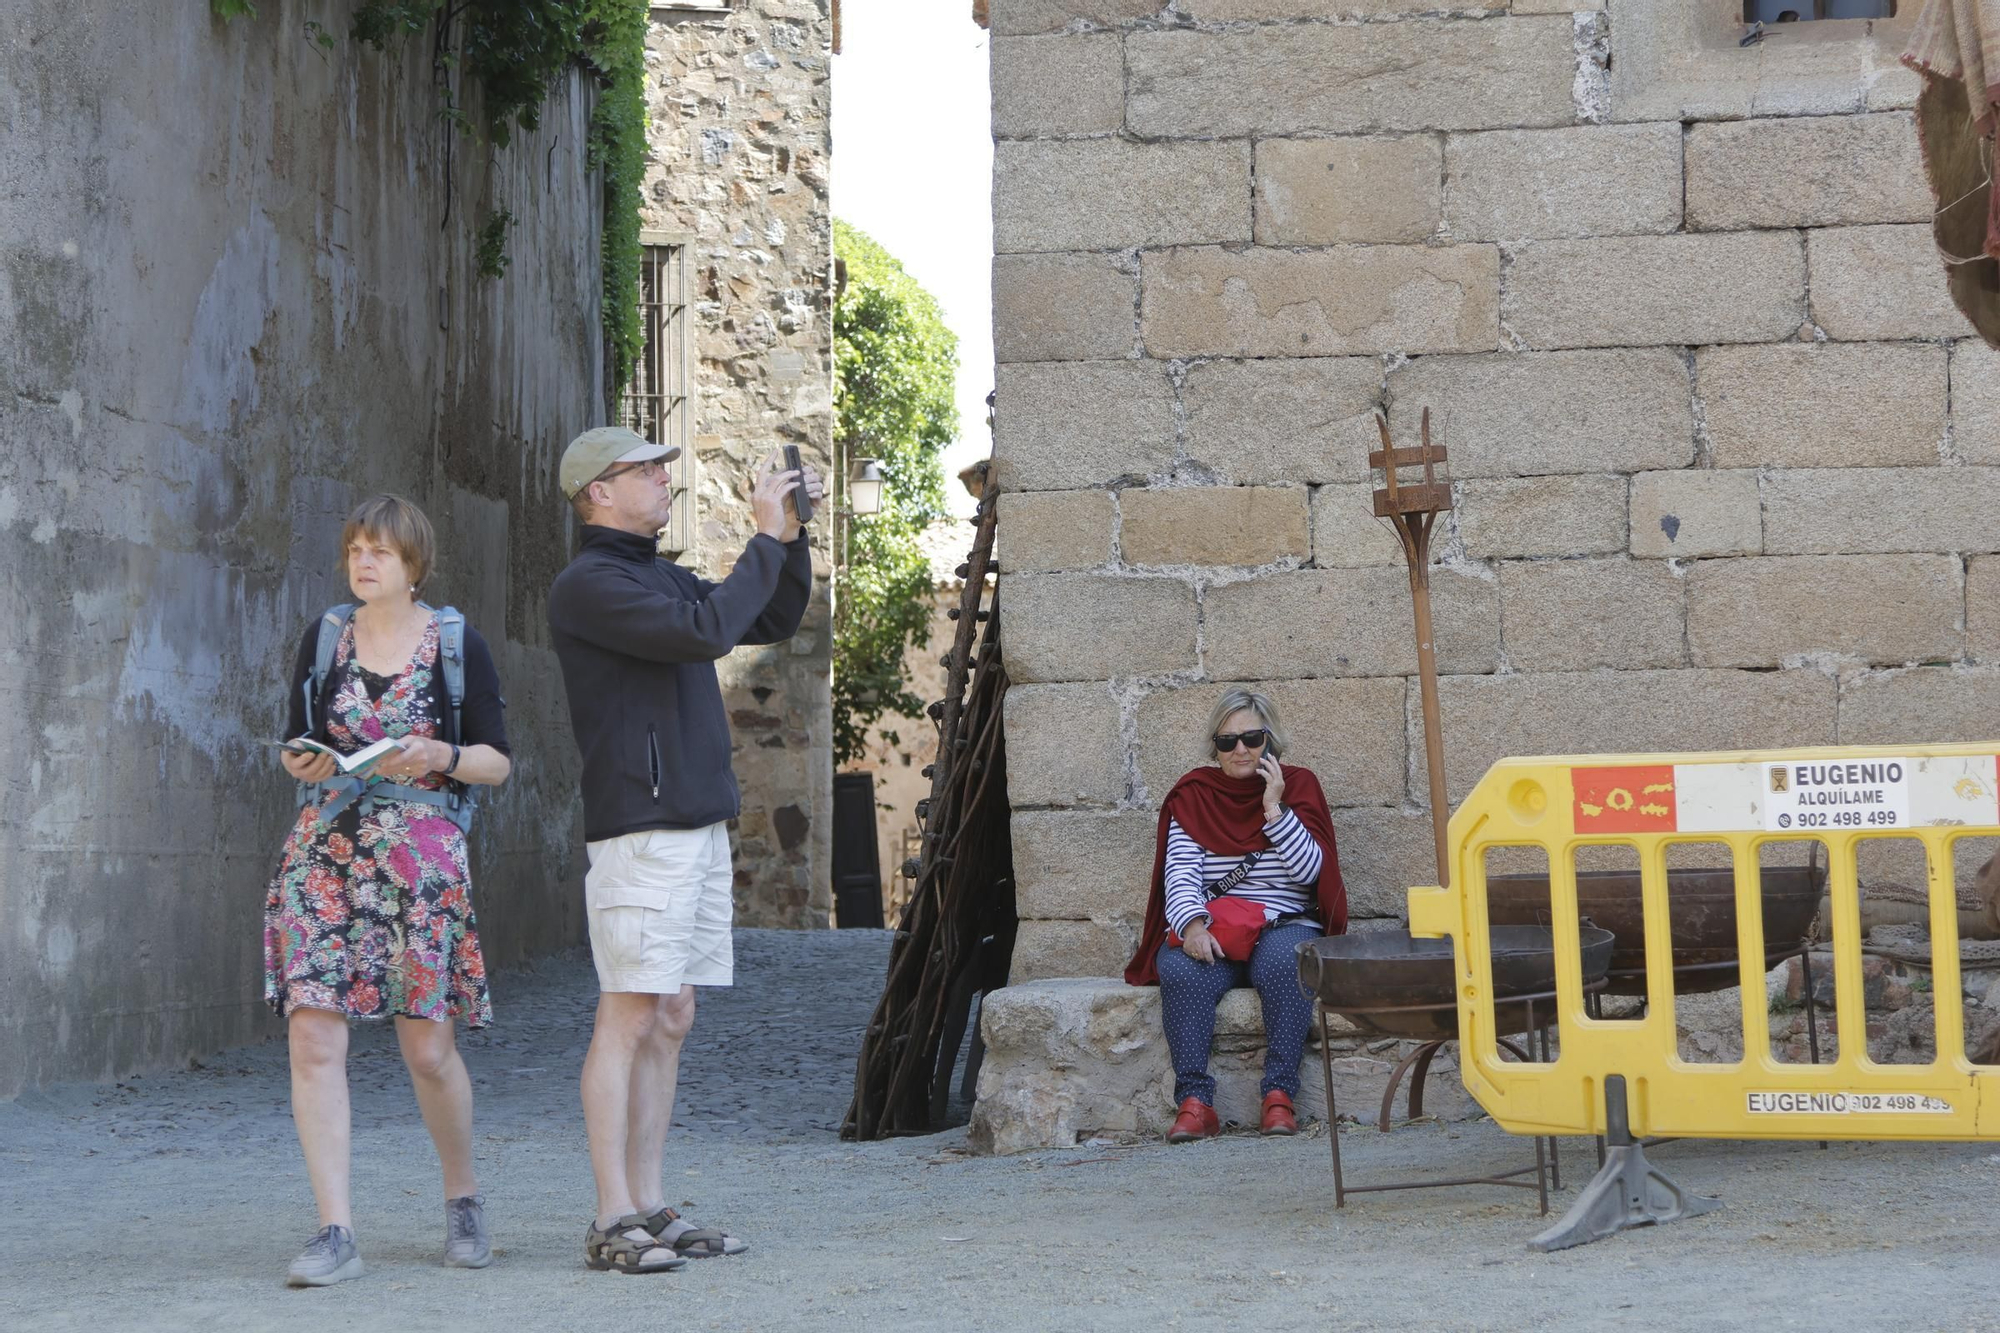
<point>1071,1057</point>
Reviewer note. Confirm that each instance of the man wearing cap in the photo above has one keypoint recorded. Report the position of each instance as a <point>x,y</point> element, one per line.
<point>638,638</point>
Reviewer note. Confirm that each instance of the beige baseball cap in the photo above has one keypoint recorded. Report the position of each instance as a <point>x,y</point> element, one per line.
<point>590,453</point>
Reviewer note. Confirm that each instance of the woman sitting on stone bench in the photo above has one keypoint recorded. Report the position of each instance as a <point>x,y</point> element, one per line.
<point>1244,870</point>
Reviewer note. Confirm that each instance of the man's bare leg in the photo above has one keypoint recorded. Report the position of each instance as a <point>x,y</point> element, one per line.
<point>625,1022</point>
<point>655,1074</point>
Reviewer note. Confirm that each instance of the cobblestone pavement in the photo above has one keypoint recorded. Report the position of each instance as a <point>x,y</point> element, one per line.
<point>174,1201</point>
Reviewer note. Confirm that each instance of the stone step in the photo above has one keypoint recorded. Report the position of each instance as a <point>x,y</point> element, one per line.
<point>1072,1057</point>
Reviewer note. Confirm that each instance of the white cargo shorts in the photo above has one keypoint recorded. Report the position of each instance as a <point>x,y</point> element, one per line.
<point>660,905</point>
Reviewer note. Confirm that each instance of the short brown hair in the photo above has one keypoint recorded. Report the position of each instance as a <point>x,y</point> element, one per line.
<point>396,523</point>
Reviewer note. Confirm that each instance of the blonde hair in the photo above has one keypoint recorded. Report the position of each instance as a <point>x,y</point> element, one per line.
<point>398,524</point>
<point>1235,701</point>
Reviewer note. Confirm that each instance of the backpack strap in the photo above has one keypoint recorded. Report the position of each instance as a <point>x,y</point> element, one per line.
<point>455,806</point>
<point>345,791</point>
<point>457,798</point>
<point>331,623</point>
<point>330,626</point>
<point>451,655</point>
<point>451,651</point>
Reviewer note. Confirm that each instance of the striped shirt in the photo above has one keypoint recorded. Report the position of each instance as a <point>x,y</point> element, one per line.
<point>1283,880</point>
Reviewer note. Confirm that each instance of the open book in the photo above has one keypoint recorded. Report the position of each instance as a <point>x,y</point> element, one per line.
<point>357,762</point>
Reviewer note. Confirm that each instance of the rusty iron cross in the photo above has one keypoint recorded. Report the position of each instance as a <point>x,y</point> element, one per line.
<point>1413,510</point>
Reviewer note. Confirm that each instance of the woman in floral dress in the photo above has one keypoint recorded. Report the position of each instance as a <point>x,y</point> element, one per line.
<point>370,912</point>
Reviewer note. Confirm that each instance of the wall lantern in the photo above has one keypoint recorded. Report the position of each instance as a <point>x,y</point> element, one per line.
<point>864,487</point>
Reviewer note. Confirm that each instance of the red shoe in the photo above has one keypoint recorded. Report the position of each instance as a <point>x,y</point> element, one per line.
<point>1278,1117</point>
<point>1196,1121</point>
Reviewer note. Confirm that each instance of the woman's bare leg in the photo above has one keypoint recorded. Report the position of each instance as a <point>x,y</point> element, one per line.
<point>320,1109</point>
<point>444,1094</point>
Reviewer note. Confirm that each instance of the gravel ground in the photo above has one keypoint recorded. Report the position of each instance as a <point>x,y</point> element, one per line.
<point>175,1201</point>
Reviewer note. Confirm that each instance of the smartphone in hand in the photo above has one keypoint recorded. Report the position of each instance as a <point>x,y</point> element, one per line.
<point>802,504</point>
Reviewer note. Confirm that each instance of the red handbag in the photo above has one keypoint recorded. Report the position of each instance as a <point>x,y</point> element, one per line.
<point>1235,924</point>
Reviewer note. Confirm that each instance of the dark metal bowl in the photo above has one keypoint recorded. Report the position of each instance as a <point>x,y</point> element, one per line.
<point>1390,982</point>
<point>1701,906</point>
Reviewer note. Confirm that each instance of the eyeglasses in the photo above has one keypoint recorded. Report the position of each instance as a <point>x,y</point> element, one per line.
<point>649,469</point>
<point>1226,742</point>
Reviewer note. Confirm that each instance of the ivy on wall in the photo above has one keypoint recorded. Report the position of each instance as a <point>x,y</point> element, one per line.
<point>491,255</point>
<point>618,148</point>
<point>894,399</point>
<point>513,52</point>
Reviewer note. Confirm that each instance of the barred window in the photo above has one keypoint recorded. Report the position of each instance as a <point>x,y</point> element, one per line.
<point>656,403</point>
<point>1803,11</point>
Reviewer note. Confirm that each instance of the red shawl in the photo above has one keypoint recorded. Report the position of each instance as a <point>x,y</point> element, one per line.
<point>1225,815</point>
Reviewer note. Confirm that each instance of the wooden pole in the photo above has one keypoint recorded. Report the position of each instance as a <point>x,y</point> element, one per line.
<point>1413,511</point>
<point>1427,684</point>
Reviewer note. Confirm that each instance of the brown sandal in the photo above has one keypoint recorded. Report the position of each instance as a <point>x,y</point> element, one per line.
<point>611,1249</point>
<point>688,1240</point>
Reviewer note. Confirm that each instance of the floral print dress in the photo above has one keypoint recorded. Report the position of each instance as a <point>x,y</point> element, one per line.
<point>371,915</point>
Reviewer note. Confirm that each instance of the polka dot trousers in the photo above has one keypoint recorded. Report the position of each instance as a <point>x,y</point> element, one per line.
<point>1189,992</point>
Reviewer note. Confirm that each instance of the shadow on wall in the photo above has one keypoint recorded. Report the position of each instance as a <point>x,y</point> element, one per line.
<point>291,330</point>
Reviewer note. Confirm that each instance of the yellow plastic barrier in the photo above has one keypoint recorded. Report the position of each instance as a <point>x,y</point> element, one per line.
<point>1609,1070</point>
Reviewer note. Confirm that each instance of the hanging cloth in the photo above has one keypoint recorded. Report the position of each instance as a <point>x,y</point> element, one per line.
<point>1956,47</point>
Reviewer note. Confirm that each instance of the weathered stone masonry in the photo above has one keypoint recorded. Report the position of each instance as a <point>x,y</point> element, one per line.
<point>230,308</point>
<point>1725,455</point>
<point>738,101</point>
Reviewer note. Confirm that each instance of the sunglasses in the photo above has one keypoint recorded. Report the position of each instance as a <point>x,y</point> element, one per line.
<point>1226,742</point>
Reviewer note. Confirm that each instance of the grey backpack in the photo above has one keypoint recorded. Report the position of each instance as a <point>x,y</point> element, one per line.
<point>457,799</point>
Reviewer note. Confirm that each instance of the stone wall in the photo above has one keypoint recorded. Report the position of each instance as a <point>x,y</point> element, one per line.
<point>230,307</point>
<point>737,103</point>
<point>1725,457</point>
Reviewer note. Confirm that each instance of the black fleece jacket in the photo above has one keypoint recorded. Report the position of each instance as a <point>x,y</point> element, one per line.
<point>638,638</point>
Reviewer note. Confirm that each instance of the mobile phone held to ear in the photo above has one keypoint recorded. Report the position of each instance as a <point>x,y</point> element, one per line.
<point>802,504</point>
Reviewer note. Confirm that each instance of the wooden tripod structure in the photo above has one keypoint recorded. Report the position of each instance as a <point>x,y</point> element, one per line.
<point>1413,510</point>
<point>956,936</point>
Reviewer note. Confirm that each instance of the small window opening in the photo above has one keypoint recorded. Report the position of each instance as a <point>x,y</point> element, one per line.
<point>656,403</point>
<point>1805,11</point>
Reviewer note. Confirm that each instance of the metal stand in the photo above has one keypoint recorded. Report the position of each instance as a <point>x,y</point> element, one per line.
<point>1416,1065</point>
<point>1594,1006</point>
<point>1627,1190</point>
<point>1803,953</point>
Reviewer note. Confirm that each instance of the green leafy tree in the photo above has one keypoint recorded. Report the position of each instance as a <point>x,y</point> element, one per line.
<point>895,369</point>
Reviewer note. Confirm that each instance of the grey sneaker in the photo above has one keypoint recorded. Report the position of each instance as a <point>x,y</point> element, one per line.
<point>465,1243</point>
<point>328,1258</point>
